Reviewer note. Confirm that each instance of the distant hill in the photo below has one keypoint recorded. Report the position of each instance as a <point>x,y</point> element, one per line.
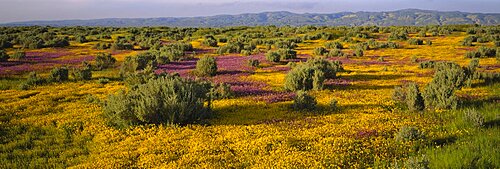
<point>400,17</point>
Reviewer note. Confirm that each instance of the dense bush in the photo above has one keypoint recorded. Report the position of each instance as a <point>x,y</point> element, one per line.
<point>164,100</point>
<point>33,80</point>
<point>303,101</point>
<point>311,74</point>
<point>335,53</point>
<point>407,133</point>
<point>5,43</point>
<point>487,52</point>
<point>253,62</point>
<point>409,97</point>
<point>427,64</point>
<point>398,35</point>
<point>474,117</point>
<point>4,56</point>
<point>83,73</point>
<point>273,56</point>
<point>102,46</point>
<point>119,45</point>
<point>287,54</point>
<point>320,51</point>
<point>413,41</point>
<point>58,74</point>
<point>358,52</point>
<point>333,45</point>
<point>211,42</point>
<point>440,92</point>
<point>206,66</point>
<point>221,91</point>
<point>81,39</point>
<point>104,61</point>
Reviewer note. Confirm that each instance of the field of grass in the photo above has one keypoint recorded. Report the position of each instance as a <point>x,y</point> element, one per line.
<point>59,125</point>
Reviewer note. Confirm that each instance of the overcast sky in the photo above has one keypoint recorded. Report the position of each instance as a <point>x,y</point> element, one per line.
<point>27,10</point>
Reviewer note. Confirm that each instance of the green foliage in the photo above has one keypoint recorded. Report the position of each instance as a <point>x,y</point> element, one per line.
<point>120,45</point>
<point>358,52</point>
<point>273,56</point>
<point>320,51</point>
<point>4,56</point>
<point>335,53</point>
<point>103,81</point>
<point>311,74</point>
<point>253,62</point>
<point>333,45</point>
<point>206,66</point>
<point>440,92</point>
<point>19,55</point>
<point>418,162</point>
<point>486,52</point>
<point>33,80</point>
<point>414,41</point>
<point>81,39</point>
<point>409,133</point>
<point>58,74</point>
<point>211,42</point>
<point>303,101</point>
<point>428,42</point>
<point>165,100</point>
<point>414,100</point>
<point>221,91</point>
<point>102,46</point>
<point>287,54</point>
<point>83,73</point>
<point>472,54</point>
<point>474,117</point>
<point>5,43</point>
<point>104,61</point>
<point>334,105</point>
<point>427,64</point>
<point>399,35</point>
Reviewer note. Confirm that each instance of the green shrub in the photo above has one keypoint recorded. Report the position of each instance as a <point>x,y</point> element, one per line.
<point>334,105</point>
<point>164,100</point>
<point>138,63</point>
<point>58,74</point>
<point>497,44</point>
<point>253,62</point>
<point>474,117</point>
<point>398,35</point>
<point>414,100</point>
<point>335,53</point>
<point>83,73</point>
<point>417,162</point>
<point>311,74</point>
<point>407,133</point>
<point>287,54</point>
<point>427,64</point>
<point>416,41</point>
<point>245,52</point>
<point>333,45</point>
<point>4,56</point>
<point>221,91</point>
<point>33,80</point>
<point>320,51</point>
<point>440,92</point>
<point>81,39</point>
<point>19,55</point>
<point>472,54</point>
<point>358,52</point>
<point>102,46</point>
<point>104,61</point>
<point>303,101</point>
<point>486,52</point>
<point>206,66</point>
<point>210,42</point>
<point>273,56</point>
<point>103,81</point>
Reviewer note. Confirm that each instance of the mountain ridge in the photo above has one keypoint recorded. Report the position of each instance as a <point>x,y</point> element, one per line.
<point>409,17</point>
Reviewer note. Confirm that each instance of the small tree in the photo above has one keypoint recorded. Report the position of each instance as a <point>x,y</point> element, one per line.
<point>440,92</point>
<point>206,66</point>
<point>320,51</point>
<point>104,60</point>
<point>358,52</point>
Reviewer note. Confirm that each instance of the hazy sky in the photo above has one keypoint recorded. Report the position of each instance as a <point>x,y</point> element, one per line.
<point>26,10</point>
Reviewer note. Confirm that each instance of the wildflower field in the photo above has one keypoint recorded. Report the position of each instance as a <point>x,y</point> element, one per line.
<point>251,119</point>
